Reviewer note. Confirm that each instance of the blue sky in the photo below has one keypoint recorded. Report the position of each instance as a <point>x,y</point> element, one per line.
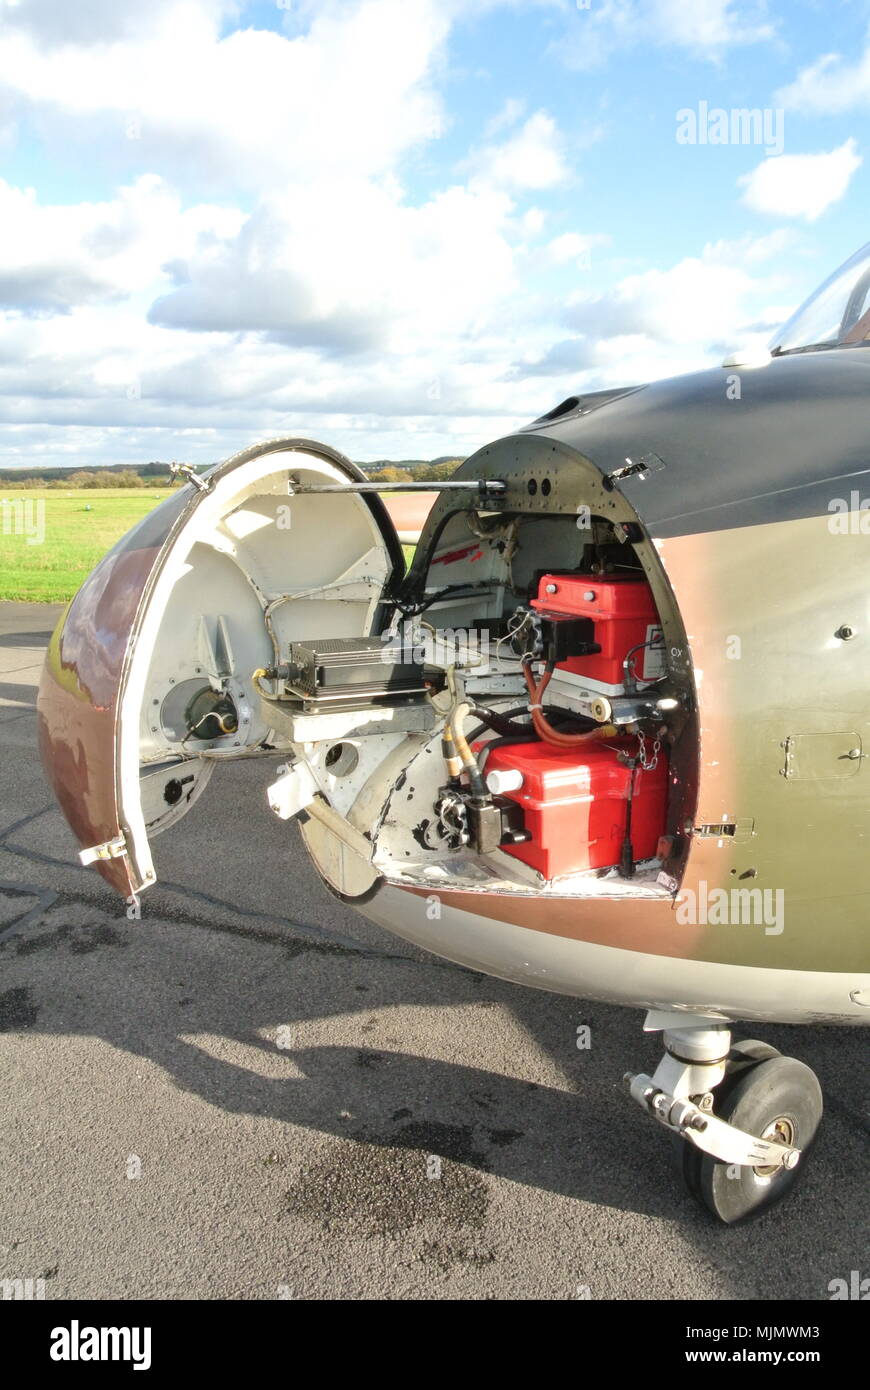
<point>402,226</point>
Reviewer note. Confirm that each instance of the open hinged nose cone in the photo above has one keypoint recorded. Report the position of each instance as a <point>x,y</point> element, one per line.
<point>148,678</point>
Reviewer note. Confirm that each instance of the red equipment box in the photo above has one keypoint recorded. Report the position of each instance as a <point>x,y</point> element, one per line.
<point>574,804</point>
<point>624,615</point>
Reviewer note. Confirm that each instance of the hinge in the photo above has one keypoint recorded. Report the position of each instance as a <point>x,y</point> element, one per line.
<point>109,849</point>
<point>186,470</point>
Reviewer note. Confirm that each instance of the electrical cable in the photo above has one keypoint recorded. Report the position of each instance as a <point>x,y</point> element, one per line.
<point>544,728</point>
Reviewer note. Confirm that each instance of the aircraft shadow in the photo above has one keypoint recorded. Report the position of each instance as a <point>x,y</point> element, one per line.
<point>585,1141</point>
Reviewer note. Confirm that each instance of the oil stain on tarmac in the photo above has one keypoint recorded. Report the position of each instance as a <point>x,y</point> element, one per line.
<point>384,1184</point>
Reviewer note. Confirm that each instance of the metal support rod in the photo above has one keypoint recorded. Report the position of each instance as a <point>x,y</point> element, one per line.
<point>483,486</point>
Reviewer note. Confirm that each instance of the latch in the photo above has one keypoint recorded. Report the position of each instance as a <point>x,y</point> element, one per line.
<point>737,830</point>
<point>109,849</point>
<point>189,473</point>
<point>634,468</point>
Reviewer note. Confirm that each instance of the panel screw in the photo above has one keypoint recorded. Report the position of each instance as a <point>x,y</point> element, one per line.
<point>845,633</point>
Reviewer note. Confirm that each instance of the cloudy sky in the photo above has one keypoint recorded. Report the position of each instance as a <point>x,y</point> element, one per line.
<point>402,226</point>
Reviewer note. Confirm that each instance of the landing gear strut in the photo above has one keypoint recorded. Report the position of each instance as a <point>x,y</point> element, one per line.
<point>742,1116</point>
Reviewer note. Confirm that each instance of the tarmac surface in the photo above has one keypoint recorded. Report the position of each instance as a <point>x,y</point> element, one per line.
<point>253,1093</point>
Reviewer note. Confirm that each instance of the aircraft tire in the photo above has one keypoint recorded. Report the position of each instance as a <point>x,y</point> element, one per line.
<point>744,1054</point>
<point>774,1096</point>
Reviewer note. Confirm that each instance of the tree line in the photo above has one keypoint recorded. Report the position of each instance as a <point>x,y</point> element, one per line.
<point>415,472</point>
<point>128,477</point>
<point>89,478</point>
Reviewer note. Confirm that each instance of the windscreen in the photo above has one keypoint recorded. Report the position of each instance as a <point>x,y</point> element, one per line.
<point>836,315</point>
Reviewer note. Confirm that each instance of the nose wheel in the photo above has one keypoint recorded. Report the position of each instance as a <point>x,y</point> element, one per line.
<point>763,1093</point>
<point>742,1117</point>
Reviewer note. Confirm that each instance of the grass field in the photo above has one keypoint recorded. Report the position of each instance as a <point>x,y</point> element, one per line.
<point>79,527</point>
<point>68,533</point>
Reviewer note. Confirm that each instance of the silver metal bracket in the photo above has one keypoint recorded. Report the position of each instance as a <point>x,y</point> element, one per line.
<point>188,472</point>
<point>706,1131</point>
<point>681,1094</point>
<point>109,849</point>
<point>293,791</point>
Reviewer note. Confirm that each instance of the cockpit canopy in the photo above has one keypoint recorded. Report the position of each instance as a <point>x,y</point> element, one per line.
<point>836,315</point>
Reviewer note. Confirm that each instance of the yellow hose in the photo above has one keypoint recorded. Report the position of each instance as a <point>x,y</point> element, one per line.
<point>256,678</point>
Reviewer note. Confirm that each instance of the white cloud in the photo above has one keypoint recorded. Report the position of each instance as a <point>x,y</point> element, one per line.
<point>533,222</point>
<point>404,277</point>
<point>750,251</point>
<point>249,108</point>
<point>507,115</point>
<point>53,23</point>
<point>464,352</point>
<point>333,304</point>
<point>829,85</point>
<point>574,247</point>
<point>706,29</point>
<point>320,297</point>
<point>55,257</point>
<point>255,348</point>
<point>680,305</point>
<point>801,185</point>
<point>663,322</point>
<point>533,158</point>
